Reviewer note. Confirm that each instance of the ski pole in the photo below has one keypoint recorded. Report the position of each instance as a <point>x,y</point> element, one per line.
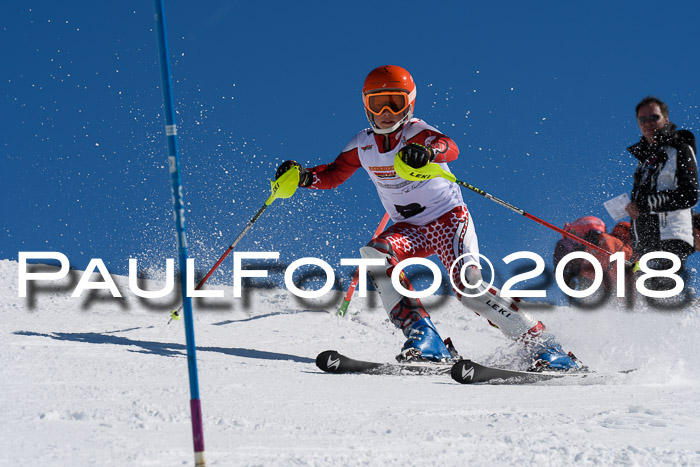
<point>283,187</point>
<point>353,285</point>
<point>433,170</point>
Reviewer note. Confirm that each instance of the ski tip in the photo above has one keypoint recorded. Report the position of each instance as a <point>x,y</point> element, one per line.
<point>328,361</point>
<point>463,372</point>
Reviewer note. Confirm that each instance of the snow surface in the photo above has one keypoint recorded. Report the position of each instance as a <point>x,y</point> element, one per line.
<point>103,381</point>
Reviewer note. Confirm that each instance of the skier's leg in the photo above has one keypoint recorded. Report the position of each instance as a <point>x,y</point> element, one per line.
<point>504,314</point>
<point>486,301</point>
<point>408,314</point>
<point>455,237</point>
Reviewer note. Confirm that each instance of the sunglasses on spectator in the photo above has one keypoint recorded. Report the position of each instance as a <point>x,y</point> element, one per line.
<point>650,118</point>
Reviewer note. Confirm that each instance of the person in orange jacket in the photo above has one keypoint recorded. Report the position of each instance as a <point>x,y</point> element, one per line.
<point>579,273</point>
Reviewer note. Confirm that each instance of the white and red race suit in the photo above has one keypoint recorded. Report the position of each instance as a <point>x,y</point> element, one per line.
<point>417,203</point>
<point>429,216</point>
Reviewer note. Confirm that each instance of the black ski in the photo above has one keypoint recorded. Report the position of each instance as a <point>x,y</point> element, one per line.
<point>463,371</point>
<point>331,361</point>
<point>468,372</point>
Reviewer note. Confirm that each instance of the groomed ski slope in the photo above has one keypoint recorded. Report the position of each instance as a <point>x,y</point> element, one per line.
<point>101,381</point>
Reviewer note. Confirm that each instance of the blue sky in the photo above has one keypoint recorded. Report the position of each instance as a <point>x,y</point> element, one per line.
<point>539,97</point>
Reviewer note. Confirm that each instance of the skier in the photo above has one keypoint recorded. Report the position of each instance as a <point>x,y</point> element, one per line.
<point>429,217</point>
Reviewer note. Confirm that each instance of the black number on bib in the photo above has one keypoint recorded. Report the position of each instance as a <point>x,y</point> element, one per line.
<point>409,210</point>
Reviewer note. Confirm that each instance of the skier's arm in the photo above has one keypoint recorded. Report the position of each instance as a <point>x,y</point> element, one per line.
<point>329,176</point>
<point>444,149</point>
<point>685,195</point>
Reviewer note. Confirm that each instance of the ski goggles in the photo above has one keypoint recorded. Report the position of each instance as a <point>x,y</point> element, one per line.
<point>395,102</point>
<point>650,118</point>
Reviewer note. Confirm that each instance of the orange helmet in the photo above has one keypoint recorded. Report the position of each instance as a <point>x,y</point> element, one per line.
<point>389,87</point>
<point>581,227</point>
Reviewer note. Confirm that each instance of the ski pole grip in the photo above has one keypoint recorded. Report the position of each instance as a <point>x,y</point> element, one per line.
<point>428,171</point>
<point>285,185</point>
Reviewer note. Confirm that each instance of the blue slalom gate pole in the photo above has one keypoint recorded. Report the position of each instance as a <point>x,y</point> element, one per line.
<point>179,208</point>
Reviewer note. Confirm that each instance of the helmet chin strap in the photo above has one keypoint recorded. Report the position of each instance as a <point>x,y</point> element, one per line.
<point>396,126</point>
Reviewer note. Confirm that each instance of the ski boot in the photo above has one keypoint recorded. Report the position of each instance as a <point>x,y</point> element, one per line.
<point>551,356</point>
<point>548,353</point>
<point>424,344</point>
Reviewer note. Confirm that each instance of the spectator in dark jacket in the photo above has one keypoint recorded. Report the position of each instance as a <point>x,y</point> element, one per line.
<point>665,185</point>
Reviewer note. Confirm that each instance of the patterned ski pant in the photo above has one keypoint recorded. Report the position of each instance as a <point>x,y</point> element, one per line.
<point>450,236</point>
